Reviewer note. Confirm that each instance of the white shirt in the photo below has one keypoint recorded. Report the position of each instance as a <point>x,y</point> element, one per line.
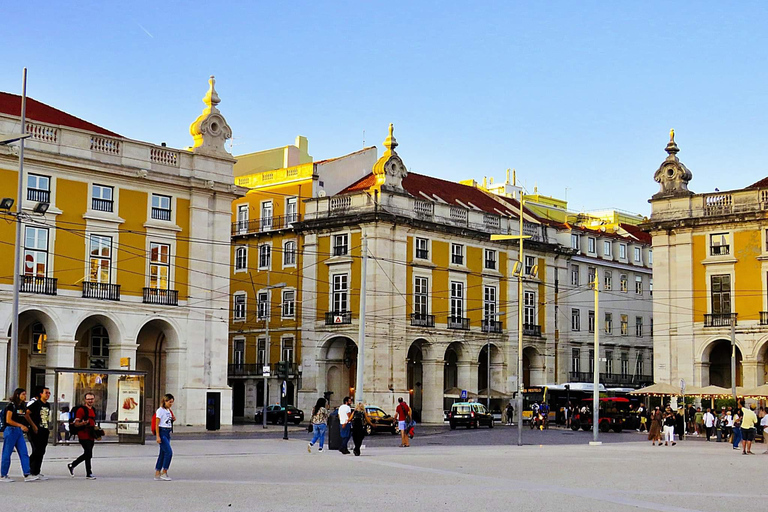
<point>709,420</point>
<point>728,420</point>
<point>344,411</point>
<point>163,418</point>
<point>764,421</point>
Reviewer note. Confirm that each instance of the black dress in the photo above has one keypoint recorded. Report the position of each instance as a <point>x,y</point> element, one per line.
<point>358,430</point>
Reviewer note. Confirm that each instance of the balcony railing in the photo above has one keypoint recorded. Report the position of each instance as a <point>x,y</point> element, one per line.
<point>764,318</point>
<point>161,213</point>
<point>720,319</point>
<point>422,254</point>
<point>340,250</point>
<point>720,250</point>
<point>244,227</point>
<point>491,326</point>
<point>160,296</point>
<point>101,291</point>
<point>420,320</point>
<point>457,322</point>
<point>457,259</point>
<point>38,284</point>
<point>338,317</point>
<point>256,370</point>
<point>38,195</point>
<point>532,330</point>
<point>102,205</point>
<point>612,379</point>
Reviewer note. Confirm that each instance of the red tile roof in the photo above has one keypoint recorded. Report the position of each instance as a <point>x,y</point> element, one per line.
<point>763,183</point>
<point>37,111</point>
<point>638,233</point>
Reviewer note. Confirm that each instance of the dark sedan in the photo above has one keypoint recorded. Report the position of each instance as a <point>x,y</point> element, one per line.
<point>382,422</point>
<point>275,415</point>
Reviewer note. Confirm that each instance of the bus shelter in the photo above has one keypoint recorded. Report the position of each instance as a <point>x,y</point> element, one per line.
<point>119,402</point>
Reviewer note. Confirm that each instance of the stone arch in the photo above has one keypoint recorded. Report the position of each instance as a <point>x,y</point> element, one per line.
<point>456,355</point>
<point>158,354</point>
<point>337,361</point>
<point>716,358</point>
<point>496,363</point>
<point>533,367</point>
<point>761,356</point>
<point>94,334</point>
<point>37,327</point>
<point>417,353</point>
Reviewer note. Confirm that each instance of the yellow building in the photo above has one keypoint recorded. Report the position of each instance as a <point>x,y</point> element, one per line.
<point>711,253</point>
<point>268,257</point>
<point>130,262</point>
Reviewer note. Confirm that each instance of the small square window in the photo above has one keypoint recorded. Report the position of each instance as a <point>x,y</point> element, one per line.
<point>422,248</point>
<point>457,254</point>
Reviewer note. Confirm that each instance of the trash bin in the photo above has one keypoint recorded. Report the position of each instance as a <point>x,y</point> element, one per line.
<point>334,431</point>
<point>213,411</point>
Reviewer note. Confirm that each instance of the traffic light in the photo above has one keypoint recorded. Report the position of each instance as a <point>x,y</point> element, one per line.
<point>282,369</point>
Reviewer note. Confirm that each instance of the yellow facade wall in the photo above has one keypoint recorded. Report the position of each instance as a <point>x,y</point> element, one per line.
<point>748,275</point>
<point>699,248</point>
<point>7,229</point>
<point>70,253</point>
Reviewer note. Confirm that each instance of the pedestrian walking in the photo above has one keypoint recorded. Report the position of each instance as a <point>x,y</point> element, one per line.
<point>360,422</point>
<point>83,424</point>
<point>14,419</point>
<point>63,430</point>
<point>643,417</point>
<point>38,417</point>
<point>728,427</point>
<point>736,430</point>
<point>709,423</point>
<point>669,427</point>
<point>165,419</point>
<point>345,412</point>
<point>748,422</point>
<point>699,421</point>
<point>319,424</point>
<point>403,415</point>
<point>654,434</point>
<point>680,424</point>
<point>511,413</point>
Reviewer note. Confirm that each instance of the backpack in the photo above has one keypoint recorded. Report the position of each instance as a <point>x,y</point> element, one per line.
<point>73,416</point>
<point>153,425</point>
<point>358,421</point>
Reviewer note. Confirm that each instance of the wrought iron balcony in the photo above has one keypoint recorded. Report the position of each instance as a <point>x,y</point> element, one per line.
<point>245,370</point>
<point>457,322</point>
<point>720,250</point>
<point>422,254</point>
<point>419,320</point>
<point>38,195</point>
<point>612,379</point>
<point>161,213</point>
<point>340,250</point>
<point>245,227</point>
<point>102,205</point>
<point>160,296</point>
<point>532,330</point>
<point>338,317</point>
<point>764,318</point>
<point>720,319</point>
<point>101,291</point>
<point>491,326</point>
<point>38,284</point>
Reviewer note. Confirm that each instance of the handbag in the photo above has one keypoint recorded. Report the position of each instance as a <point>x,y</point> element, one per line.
<point>98,433</point>
<point>310,427</point>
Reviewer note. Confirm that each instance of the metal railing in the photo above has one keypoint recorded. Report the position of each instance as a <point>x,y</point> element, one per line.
<point>161,213</point>
<point>457,322</point>
<point>719,250</point>
<point>160,296</point>
<point>101,291</point>
<point>244,227</point>
<point>102,205</point>
<point>612,379</point>
<point>38,284</point>
<point>532,330</point>
<point>420,320</point>
<point>338,317</point>
<point>719,319</point>
<point>422,254</point>
<point>492,326</point>
<point>38,195</point>
<point>764,318</point>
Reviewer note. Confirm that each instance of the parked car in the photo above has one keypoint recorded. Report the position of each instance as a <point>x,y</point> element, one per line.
<point>382,422</point>
<point>275,415</point>
<point>470,415</point>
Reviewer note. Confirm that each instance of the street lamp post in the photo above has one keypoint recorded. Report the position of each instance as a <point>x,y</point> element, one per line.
<point>267,342</point>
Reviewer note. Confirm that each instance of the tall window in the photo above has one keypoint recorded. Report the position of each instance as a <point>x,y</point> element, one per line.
<point>591,272</point>
<point>286,350</point>
<point>422,248</point>
<point>609,362</point>
<point>639,285</point>
<point>238,352</point>
<point>289,303</point>
<point>265,255</point>
<point>639,326</point>
<point>238,307</point>
<point>650,287</point>
<point>638,255</point>
<point>340,291</point>
<point>575,360</point>
<point>262,305</point>
<point>100,258</point>
<point>608,280</point>
<point>341,245</point>
<point>624,364</point>
<point>591,321</point>
<point>650,257</point>
<point>489,303</point>
<point>591,361</point>
<point>241,258</point>
<point>575,319</point>
<point>261,352</point>
<point>591,245</point>
<point>421,297</point>
<point>291,211</point>
<point>609,323</point>
<point>457,300</point>
<point>639,364</point>
<point>266,215</point>
<point>623,251</point>
<point>530,263</point>
<point>457,254</point>
<point>39,338</point>
<point>575,275</point>
<point>624,325</point>
<point>490,259</point>
<point>161,207</point>
<point>35,251</point>
<point>576,242</point>
<point>242,218</point>
<point>721,294</point>
<point>159,265</point>
<point>529,308</point>
<point>101,199</point>
<point>289,253</point>
<point>623,282</point>
<point>718,244</point>
<point>607,249</point>
<point>99,347</point>
<point>38,188</point>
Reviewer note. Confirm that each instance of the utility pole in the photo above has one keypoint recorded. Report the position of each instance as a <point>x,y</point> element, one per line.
<point>596,367</point>
<point>13,366</point>
<point>733,357</point>
<point>361,324</point>
<point>267,342</point>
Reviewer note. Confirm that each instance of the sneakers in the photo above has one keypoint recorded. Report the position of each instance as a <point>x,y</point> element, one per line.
<point>42,477</point>
<point>90,477</point>
<point>309,447</point>
<point>4,479</point>
<point>321,450</point>
<point>157,479</point>
<point>31,478</point>
<point>71,469</point>
<point>165,477</point>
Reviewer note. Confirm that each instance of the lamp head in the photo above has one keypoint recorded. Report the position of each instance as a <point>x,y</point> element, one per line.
<point>41,208</point>
<point>6,203</point>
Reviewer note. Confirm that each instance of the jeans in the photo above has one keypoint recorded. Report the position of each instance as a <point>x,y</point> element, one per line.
<point>166,452</point>
<point>87,455</point>
<point>318,433</point>
<point>13,437</point>
<point>346,432</point>
<point>39,443</point>
<point>736,436</point>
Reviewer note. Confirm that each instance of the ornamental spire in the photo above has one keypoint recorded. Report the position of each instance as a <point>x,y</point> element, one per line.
<point>390,143</point>
<point>210,130</point>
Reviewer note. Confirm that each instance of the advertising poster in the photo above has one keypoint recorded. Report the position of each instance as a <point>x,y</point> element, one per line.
<point>129,401</point>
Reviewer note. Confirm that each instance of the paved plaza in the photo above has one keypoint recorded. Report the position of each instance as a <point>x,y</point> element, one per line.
<point>443,470</point>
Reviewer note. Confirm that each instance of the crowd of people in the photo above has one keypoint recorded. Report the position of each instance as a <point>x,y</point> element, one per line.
<point>33,418</point>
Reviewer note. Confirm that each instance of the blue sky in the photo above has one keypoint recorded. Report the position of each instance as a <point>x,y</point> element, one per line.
<point>576,95</point>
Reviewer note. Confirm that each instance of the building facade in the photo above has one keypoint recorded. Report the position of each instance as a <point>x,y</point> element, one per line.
<point>711,273</point>
<point>128,268</point>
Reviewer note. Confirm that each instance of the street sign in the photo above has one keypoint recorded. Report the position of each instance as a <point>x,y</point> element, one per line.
<point>338,319</point>
<point>265,370</point>
<point>285,388</point>
<point>463,394</point>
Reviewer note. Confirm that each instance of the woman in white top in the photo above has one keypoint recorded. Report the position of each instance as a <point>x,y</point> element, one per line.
<point>163,431</point>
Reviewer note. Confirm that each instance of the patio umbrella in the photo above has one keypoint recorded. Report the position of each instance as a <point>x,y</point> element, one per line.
<point>456,393</point>
<point>659,389</point>
<point>494,393</point>
<point>715,391</point>
<point>758,391</point>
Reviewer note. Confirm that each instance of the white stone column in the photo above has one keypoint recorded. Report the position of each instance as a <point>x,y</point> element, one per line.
<point>432,394</point>
<point>464,377</point>
<point>61,354</point>
<point>749,371</point>
<point>4,342</point>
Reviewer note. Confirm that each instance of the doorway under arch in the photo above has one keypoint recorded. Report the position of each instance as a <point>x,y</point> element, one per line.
<point>339,362</point>
<point>718,354</point>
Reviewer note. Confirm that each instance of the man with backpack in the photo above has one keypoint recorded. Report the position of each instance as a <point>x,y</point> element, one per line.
<point>38,416</point>
<point>403,414</point>
<point>83,424</point>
